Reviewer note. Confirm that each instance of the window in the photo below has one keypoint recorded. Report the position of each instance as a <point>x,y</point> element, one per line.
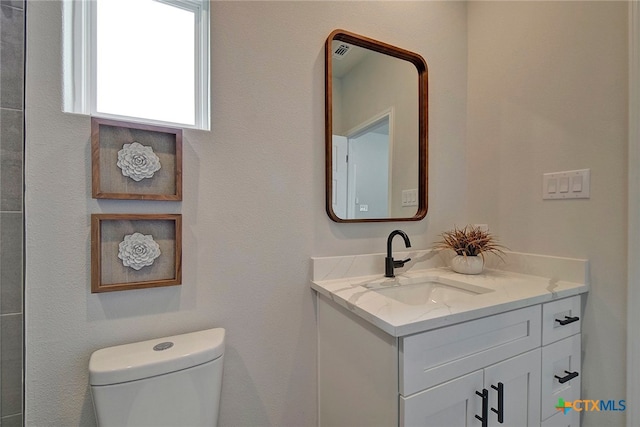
<point>139,60</point>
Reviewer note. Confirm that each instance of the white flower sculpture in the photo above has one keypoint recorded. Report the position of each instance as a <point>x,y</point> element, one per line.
<point>138,161</point>
<point>138,250</point>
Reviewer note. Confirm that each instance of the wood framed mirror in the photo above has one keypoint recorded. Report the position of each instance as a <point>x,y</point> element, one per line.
<point>376,130</point>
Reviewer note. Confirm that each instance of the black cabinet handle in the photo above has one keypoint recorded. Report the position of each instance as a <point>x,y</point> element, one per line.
<point>568,377</point>
<point>567,320</point>
<point>500,410</point>
<point>484,419</point>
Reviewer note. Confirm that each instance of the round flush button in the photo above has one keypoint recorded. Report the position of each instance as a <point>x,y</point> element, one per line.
<point>163,346</point>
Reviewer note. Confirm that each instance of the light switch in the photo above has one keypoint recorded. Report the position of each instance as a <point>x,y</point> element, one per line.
<point>576,184</point>
<point>410,197</point>
<point>566,185</point>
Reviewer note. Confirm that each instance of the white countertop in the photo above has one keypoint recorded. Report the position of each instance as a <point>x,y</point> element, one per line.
<point>501,291</point>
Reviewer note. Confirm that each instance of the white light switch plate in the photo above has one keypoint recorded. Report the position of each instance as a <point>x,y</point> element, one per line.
<point>410,197</point>
<point>566,185</point>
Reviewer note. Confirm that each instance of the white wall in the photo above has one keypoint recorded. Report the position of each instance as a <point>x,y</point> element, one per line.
<point>548,93</point>
<point>253,209</point>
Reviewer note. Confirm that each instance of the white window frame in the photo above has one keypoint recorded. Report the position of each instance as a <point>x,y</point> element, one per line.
<point>79,63</point>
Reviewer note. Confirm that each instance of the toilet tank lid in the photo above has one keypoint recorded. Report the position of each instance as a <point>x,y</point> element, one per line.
<point>159,356</point>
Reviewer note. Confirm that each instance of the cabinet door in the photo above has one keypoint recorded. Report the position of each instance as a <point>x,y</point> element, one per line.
<point>520,378</point>
<point>452,404</point>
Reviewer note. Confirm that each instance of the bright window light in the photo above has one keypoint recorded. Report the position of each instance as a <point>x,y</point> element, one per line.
<point>143,60</point>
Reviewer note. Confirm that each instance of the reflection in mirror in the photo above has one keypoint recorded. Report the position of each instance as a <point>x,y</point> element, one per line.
<point>376,131</point>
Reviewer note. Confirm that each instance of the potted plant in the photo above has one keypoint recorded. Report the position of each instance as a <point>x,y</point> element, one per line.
<point>470,244</point>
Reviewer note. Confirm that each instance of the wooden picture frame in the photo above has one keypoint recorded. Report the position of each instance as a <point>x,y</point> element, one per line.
<point>135,251</point>
<point>122,169</point>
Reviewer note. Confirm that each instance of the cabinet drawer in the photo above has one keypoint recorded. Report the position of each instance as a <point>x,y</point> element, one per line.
<point>433,357</point>
<point>560,319</point>
<point>570,419</point>
<point>560,359</point>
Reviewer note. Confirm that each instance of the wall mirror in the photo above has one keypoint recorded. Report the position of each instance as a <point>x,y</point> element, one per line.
<point>375,130</point>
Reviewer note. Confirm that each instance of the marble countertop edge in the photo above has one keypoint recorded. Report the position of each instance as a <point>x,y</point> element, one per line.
<point>508,291</point>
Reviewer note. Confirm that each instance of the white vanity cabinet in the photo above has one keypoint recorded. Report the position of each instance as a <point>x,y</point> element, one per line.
<point>502,350</point>
<point>505,369</point>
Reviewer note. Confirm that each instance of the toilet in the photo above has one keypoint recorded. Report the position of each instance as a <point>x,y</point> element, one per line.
<point>172,381</point>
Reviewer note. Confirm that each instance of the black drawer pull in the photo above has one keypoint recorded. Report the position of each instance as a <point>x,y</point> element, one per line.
<point>568,377</point>
<point>567,320</point>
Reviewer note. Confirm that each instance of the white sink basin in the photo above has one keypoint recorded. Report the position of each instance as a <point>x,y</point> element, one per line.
<point>425,290</point>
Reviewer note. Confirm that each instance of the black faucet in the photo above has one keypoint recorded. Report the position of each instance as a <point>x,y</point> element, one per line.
<point>389,262</point>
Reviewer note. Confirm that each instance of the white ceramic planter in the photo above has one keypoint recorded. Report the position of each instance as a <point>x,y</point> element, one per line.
<point>467,264</point>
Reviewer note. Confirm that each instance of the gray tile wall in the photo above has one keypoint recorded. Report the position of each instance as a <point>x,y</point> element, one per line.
<point>12,24</point>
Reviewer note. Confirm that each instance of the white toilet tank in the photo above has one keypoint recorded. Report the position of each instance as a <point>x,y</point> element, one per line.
<point>172,381</point>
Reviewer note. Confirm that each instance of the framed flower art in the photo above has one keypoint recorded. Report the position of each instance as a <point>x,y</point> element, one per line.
<point>134,251</point>
<point>135,161</point>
